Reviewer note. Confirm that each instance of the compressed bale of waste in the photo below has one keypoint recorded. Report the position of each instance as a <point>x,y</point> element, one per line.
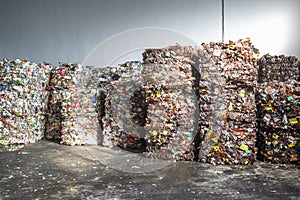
<point>23,101</point>
<point>278,68</point>
<point>113,106</point>
<point>227,102</point>
<point>62,111</point>
<point>278,112</point>
<point>173,103</point>
<point>84,103</point>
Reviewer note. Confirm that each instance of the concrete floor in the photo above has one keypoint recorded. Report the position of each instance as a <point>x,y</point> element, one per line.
<point>46,170</point>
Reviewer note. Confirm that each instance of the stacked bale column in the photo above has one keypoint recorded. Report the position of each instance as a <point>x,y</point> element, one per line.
<point>23,101</point>
<point>171,119</point>
<point>62,108</point>
<point>227,90</point>
<point>114,96</point>
<point>278,98</point>
<point>86,89</point>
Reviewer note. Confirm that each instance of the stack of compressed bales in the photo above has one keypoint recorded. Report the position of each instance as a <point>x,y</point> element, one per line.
<point>169,91</point>
<point>156,99</point>
<point>86,88</point>
<point>173,107</point>
<point>23,101</point>
<point>114,105</point>
<point>278,109</point>
<point>227,103</point>
<point>63,109</point>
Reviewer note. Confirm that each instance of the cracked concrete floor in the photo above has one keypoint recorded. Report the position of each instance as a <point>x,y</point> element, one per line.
<point>47,170</point>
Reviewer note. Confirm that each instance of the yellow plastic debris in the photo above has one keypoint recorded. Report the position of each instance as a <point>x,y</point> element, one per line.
<point>4,143</point>
<point>292,144</point>
<point>214,140</point>
<point>216,148</point>
<point>293,121</point>
<point>154,133</point>
<point>242,93</point>
<point>268,108</point>
<point>244,147</point>
<point>275,136</point>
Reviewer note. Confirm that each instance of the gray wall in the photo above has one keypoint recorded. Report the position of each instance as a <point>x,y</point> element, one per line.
<point>67,30</point>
